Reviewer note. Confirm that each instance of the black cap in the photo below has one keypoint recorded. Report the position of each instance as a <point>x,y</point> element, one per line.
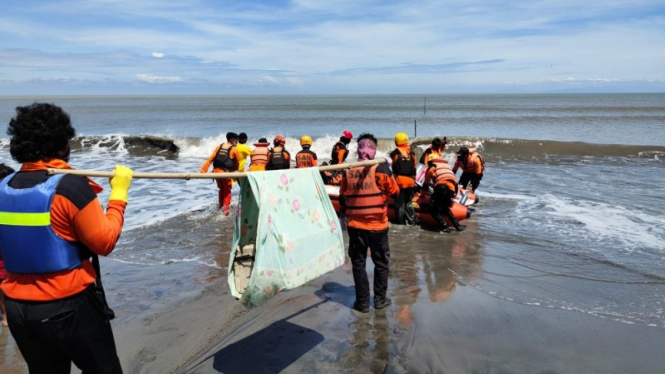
<point>231,135</point>
<point>263,140</point>
<point>463,151</point>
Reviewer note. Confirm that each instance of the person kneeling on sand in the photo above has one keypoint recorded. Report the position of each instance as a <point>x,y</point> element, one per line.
<point>50,228</point>
<point>363,197</point>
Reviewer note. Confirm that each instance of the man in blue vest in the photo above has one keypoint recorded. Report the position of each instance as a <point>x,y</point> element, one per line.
<point>50,228</point>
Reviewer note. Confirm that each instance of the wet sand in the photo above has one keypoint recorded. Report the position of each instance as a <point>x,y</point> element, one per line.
<point>438,323</point>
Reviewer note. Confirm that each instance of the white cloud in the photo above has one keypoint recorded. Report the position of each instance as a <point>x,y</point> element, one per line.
<point>157,54</point>
<point>266,79</point>
<point>294,81</point>
<point>158,78</point>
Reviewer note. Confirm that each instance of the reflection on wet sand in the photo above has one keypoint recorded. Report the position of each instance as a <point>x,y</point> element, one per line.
<point>432,261</point>
<point>426,268</point>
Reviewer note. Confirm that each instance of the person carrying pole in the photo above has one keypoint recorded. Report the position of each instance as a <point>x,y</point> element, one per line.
<point>52,229</point>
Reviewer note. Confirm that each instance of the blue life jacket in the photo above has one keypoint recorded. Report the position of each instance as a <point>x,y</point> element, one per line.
<point>27,241</point>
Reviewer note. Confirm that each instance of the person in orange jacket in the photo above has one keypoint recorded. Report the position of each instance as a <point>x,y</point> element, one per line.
<point>340,150</point>
<point>363,197</point>
<point>259,156</point>
<point>56,308</point>
<point>224,160</point>
<point>472,165</point>
<point>306,158</point>
<point>444,182</point>
<point>404,165</point>
<point>278,157</point>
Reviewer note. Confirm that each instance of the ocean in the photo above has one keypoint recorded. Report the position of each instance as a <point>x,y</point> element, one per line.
<point>570,214</point>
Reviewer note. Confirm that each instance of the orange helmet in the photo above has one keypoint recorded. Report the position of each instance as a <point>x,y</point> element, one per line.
<point>279,140</point>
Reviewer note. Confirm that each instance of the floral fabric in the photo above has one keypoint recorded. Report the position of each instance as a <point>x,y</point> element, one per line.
<point>288,215</point>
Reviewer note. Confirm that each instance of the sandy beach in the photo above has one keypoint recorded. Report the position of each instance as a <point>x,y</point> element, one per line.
<point>441,321</point>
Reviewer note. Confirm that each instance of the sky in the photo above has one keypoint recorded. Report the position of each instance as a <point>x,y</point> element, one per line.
<point>190,47</point>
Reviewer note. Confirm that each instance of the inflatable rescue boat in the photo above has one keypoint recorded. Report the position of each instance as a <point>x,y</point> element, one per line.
<point>460,208</point>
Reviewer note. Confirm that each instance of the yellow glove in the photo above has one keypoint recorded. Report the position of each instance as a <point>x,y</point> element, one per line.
<point>120,183</point>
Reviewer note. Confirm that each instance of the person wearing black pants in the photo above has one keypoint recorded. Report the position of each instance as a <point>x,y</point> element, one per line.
<point>472,178</point>
<point>53,334</point>
<point>363,198</point>
<point>55,302</point>
<point>377,242</point>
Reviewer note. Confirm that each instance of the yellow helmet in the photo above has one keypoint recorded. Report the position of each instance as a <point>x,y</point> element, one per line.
<point>306,140</point>
<point>401,138</point>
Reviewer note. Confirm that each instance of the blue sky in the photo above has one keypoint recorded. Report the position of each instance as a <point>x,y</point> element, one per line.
<point>346,47</point>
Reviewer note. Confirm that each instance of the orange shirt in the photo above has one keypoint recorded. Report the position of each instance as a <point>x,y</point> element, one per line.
<point>386,183</point>
<point>88,224</point>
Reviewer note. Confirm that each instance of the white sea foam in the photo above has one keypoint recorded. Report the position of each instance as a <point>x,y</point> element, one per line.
<point>626,225</point>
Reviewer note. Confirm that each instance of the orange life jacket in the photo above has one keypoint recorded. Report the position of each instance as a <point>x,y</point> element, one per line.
<point>443,173</point>
<point>304,159</point>
<point>223,158</point>
<point>259,156</point>
<point>362,196</point>
<point>470,167</point>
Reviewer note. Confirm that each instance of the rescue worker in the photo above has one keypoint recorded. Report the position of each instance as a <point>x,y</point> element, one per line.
<point>434,151</point>
<point>259,156</point>
<point>441,177</point>
<point>340,150</point>
<point>278,157</point>
<point>224,160</point>
<point>306,158</point>
<point>404,164</point>
<point>363,198</point>
<point>4,171</point>
<point>472,165</point>
<point>50,228</point>
<point>243,151</point>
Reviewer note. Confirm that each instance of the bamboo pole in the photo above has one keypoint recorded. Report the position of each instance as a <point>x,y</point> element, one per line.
<point>188,176</point>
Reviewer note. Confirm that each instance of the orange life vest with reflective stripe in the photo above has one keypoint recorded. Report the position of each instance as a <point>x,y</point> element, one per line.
<point>362,196</point>
<point>259,156</point>
<point>442,172</point>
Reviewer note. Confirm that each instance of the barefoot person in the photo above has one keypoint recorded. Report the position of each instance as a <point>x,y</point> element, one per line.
<point>50,227</point>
